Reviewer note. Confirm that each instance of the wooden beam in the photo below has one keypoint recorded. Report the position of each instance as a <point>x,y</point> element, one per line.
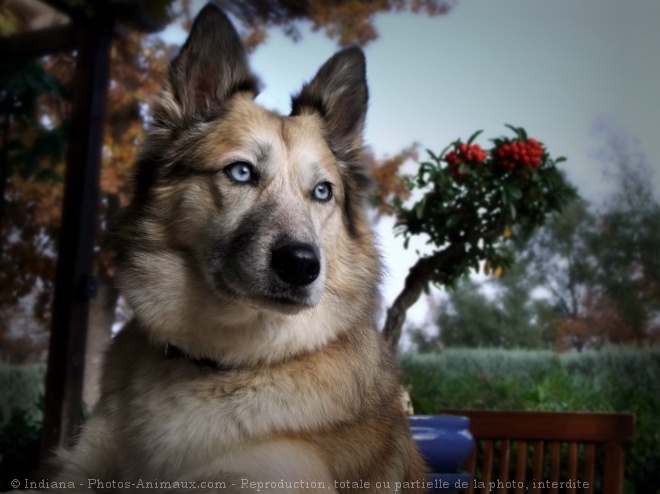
<point>134,13</point>
<point>40,42</point>
<point>530,426</point>
<point>73,281</point>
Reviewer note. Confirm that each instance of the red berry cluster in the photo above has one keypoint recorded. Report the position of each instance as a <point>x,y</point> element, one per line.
<point>520,153</point>
<point>464,153</point>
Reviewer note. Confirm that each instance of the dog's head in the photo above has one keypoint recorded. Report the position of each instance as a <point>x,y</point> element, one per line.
<point>236,206</point>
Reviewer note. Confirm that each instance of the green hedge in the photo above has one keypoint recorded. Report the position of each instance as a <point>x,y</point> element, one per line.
<point>610,380</point>
<point>21,389</point>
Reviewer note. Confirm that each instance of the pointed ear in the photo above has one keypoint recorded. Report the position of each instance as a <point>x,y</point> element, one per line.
<point>211,66</point>
<point>339,94</point>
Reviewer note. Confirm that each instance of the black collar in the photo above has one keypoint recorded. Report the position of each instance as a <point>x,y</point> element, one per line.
<point>172,351</point>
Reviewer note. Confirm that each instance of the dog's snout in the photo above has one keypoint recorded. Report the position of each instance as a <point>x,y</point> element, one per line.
<point>296,264</point>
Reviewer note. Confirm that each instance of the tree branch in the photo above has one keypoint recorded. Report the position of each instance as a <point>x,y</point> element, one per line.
<point>426,270</point>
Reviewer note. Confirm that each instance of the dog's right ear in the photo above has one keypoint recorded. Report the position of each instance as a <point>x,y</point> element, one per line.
<point>211,66</point>
<point>338,92</point>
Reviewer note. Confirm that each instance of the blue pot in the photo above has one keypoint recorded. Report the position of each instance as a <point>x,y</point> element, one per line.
<point>444,441</point>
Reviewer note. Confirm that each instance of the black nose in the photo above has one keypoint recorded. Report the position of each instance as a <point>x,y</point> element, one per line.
<point>296,264</point>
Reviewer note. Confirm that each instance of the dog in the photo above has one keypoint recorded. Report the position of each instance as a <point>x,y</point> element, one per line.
<point>252,362</point>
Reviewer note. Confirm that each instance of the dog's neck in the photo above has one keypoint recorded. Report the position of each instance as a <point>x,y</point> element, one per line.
<point>174,352</point>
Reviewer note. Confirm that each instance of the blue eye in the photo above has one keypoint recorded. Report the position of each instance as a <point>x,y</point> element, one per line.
<point>241,172</point>
<point>323,192</point>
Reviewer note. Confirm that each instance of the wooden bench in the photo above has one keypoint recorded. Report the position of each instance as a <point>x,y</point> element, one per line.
<point>599,438</point>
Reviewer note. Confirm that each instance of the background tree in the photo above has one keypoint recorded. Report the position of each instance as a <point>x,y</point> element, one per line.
<point>561,262</point>
<point>33,145</point>
<point>627,245</point>
<point>608,257</point>
<point>560,258</point>
<point>509,316</point>
<point>346,21</point>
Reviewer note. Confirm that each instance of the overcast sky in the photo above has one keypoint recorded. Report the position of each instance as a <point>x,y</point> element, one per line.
<point>554,67</point>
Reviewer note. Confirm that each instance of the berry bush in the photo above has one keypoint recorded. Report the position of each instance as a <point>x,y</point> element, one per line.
<point>474,199</point>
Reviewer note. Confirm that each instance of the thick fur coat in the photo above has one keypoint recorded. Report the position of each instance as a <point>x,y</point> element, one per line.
<point>246,255</point>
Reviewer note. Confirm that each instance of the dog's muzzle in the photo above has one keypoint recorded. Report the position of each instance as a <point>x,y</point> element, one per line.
<point>296,264</point>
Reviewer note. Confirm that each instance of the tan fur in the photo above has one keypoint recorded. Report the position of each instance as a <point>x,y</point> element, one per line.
<point>309,392</point>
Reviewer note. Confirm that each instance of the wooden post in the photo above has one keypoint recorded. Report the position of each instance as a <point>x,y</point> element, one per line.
<point>73,280</point>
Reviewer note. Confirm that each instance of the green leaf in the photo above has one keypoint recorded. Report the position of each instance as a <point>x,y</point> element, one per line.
<point>433,156</point>
<point>426,167</point>
<point>419,208</point>
<point>553,178</point>
<point>442,153</point>
<point>452,221</point>
<point>474,136</point>
<point>464,169</point>
<point>513,192</point>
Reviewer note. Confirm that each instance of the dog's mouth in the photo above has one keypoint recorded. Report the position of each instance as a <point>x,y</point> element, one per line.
<point>284,304</point>
<point>271,299</point>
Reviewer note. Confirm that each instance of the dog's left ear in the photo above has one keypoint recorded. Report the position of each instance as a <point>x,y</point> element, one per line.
<point>339,94</point>
<point>211,66</point>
